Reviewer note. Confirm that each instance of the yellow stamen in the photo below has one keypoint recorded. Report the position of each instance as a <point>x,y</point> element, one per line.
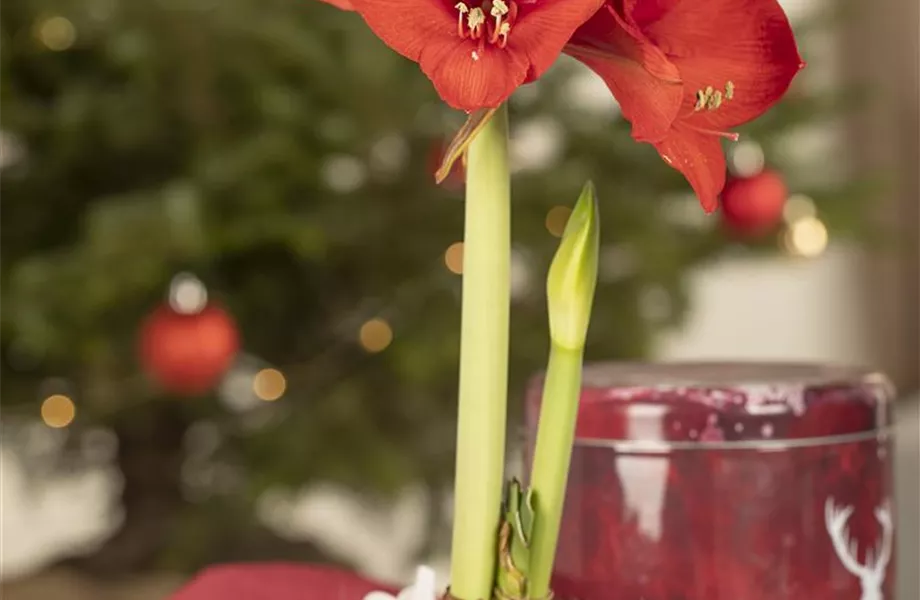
<point>503,32</point>
<point>475,19</point>
<point>711,99</point>
<point>701,100</point>
<point>499,9</point>
<point>463,9</point>
<point>715,100</point>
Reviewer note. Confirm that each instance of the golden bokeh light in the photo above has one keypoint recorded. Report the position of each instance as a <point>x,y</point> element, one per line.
<point>375,335</point>
<point>453,258</point>
<point>806,237</point>
<point>58,411</point>
<point>798,206</point>
<point>556,219</point>
<point>269,384</point>
<point>56,33</point>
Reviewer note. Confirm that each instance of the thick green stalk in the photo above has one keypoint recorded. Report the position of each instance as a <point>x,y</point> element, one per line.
<point>552,455</point>
<point>570,294</point>
<point>483,362</point>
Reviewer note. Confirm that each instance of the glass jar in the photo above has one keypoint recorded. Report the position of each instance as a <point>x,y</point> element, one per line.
<point>727,482</point>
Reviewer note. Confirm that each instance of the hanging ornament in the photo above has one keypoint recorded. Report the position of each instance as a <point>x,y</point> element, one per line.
<point>188,344</point>
<point>753,206</point>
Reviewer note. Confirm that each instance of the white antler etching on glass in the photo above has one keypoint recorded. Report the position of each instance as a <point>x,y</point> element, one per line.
<point>871,574</point>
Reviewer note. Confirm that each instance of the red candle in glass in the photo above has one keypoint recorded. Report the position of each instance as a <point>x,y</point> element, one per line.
<point>727,482</point>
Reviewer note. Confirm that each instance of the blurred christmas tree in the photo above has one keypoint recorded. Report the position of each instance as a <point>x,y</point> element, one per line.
<point>278,151</point>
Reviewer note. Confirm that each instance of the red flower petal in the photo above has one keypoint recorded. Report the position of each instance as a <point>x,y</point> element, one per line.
<point>470,75</point>
<point>642,79</point>
<point>748,43</point>
<point>542,31</point>
<point>409,26</point>
<point>276,581</point>
<point>700,158</point>
<point>470,84</point>
<point>467,77</point>
<point>343,4</point>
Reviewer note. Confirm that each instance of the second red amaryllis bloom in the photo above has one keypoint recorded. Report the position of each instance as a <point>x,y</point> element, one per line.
<point>476,52</point>
<point>686,71</point>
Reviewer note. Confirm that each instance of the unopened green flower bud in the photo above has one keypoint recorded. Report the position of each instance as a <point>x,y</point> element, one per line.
<point>573,274</point>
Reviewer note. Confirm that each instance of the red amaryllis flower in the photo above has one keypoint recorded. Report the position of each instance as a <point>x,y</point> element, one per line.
<point>685,71</point>
<point>476,52</point>
<point>276,581</point>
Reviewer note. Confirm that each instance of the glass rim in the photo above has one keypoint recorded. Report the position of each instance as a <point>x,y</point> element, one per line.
<point>882,434</point>
<point>666,375</point>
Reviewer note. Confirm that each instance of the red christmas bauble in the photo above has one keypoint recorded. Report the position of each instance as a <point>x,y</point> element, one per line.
<point>188,353</point>
<point>753,206</point>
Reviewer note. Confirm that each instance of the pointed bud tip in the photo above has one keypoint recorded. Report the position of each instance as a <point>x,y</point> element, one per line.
<point>585,211</point>
<point>573,273</point>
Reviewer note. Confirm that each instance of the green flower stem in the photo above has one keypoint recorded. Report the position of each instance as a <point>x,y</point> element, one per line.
<point>552,455</point>
<point>483,394</point>
<point>570,294</point>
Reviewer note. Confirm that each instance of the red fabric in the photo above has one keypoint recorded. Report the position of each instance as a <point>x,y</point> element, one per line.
<point>277,581</point>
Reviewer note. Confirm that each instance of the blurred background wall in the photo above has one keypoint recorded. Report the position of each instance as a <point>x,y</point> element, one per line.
<point>276,151</point>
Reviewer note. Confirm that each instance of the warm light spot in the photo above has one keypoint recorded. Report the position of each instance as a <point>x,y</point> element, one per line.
<point>453,258</point>
<point>58,411</point>
<point>269,384</point>
<point>375,335</point>
<point>56,33</point>
<point>556,219</point>
<point>798,206</point>
<point>806,237</point>
<point>746,159</point>
<point>187,295</point>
